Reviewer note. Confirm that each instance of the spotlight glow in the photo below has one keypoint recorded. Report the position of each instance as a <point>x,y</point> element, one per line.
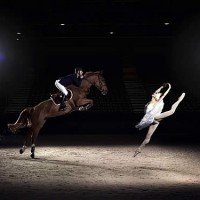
<point>166,23</point>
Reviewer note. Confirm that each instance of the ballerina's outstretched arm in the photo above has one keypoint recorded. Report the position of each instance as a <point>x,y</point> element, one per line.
<point>164,95</point>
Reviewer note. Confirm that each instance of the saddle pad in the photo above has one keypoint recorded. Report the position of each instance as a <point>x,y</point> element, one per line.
<point>57,98</point>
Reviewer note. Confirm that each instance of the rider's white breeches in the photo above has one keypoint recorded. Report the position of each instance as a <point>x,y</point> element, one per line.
<point>61,87</point>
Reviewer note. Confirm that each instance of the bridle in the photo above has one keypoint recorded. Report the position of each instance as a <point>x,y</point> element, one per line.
<point>100,79</point>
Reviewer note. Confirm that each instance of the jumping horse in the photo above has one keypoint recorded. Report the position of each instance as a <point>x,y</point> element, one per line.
<point>34,118</point>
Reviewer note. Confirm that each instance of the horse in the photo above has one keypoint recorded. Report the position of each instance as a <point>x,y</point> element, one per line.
<point>34,118</point>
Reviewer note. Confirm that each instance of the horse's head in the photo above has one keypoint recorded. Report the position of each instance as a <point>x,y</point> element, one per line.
<point>97,79</point>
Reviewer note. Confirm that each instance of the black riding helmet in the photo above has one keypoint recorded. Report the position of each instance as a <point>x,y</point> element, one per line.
<point>78,69</point>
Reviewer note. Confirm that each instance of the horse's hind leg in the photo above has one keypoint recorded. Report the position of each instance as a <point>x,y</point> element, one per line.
<point>34,137</point>
<point>26,141</point>
<point>33,151</point>
<point>21,151</point>
<point>33,141</point>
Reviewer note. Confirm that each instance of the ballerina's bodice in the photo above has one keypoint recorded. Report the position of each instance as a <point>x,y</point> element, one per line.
<point>154,109</point>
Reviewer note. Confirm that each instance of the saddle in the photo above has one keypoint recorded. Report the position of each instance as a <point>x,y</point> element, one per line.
<point>57,98</point>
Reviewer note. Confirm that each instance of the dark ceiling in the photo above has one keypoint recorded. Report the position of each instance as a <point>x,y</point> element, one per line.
<point>140,36</point>
<point>86,18</point>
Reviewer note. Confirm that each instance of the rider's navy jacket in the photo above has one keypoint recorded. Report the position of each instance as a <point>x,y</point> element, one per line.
<point>70,79</point>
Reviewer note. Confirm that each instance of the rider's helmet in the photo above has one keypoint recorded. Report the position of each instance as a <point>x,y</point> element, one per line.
<point>77,70</point>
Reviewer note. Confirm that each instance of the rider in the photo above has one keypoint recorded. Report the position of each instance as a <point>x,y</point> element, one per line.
<point>65,81</point>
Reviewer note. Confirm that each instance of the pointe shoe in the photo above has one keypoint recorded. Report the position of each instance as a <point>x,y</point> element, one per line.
<point>182,96</point>
<point>137,152</point>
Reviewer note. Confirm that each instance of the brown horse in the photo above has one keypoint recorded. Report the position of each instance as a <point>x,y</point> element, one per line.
<point>33,118</point>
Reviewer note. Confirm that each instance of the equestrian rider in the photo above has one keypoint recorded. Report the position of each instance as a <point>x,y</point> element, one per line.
<point>65,81</point>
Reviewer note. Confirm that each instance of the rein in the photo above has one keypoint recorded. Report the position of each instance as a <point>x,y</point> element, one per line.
<point>88,81</point>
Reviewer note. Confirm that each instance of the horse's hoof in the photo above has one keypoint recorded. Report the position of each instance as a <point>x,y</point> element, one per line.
<point>21,151</point>
<point>32,155</point>
<point>81,108</point>
<point>88,106</point>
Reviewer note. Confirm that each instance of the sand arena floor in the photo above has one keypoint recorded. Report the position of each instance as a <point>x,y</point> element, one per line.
<point>100,167</point>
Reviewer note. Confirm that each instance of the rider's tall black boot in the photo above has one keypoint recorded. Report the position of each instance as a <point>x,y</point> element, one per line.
<point>62,104</point>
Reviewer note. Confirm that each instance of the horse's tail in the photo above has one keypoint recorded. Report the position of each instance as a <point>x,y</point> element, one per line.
<point>23,121</point>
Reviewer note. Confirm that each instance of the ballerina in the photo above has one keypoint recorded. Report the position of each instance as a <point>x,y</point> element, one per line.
<point>153,114</point>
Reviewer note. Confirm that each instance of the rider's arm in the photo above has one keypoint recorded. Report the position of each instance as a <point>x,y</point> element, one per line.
<point>77,81</point>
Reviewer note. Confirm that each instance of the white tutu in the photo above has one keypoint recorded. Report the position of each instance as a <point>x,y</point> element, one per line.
<point>145,121</point>
<point>150,112</point>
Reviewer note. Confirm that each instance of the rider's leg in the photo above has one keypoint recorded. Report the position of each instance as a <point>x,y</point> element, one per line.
<point>62,104</point>
<point>61,87</point>
<point>64,94</point>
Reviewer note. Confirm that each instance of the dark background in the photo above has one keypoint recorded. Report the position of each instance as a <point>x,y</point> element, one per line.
<point>128,39</point>
<point>139,44</point>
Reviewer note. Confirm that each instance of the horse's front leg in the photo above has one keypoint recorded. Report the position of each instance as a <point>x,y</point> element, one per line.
<point>85,104</point>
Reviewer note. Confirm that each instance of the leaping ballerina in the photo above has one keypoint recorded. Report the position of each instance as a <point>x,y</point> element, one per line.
<point>153,114</point>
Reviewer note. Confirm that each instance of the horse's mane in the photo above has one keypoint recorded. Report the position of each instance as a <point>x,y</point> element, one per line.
<point>90,73</point>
